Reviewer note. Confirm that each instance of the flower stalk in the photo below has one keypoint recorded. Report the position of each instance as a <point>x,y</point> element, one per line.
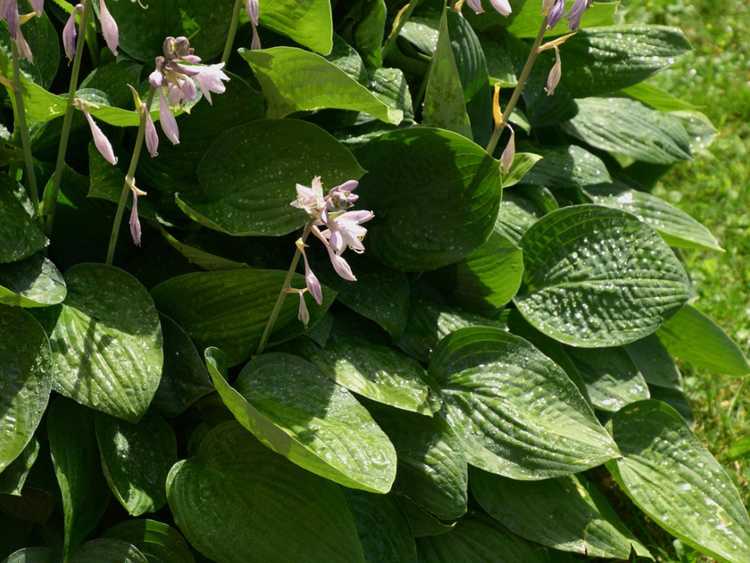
<point>232,33</point>
<point>50,194</point>
<point>129,184</point>
<point>22,128</point>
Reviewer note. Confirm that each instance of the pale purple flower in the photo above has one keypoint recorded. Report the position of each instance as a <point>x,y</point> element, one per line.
<point>501,6</point>
<point>554,9</point>
<point>152,137</point>
<point>100,140</point>
<point>555,75</point>
<point>168,121</point>
<point>341,196</point>
<point>345,230</point>
<point>506,159</point>
<point>310,199</point>
<point>135,222</point>
<point>38,6</point>
<point>311,281</point>
<point>70,32</point>
<point>9,13</point>
<point>341,266</point>
<point>253,12</point>
<point>23,47</point>
<point>303,314</point>
<point>210,78</point>
<point>576,13</point>
<point>109,27</point>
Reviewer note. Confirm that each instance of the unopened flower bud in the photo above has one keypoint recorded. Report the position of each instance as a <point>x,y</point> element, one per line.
<point>555,75</point>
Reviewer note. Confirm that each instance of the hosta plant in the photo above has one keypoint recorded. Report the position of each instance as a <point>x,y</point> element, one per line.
<point>393,286</point>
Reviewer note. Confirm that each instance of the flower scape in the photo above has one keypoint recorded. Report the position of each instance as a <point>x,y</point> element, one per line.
<point>396,289</point>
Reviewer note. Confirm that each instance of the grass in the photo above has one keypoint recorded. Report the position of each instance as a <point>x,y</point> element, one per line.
<point>715,189</point>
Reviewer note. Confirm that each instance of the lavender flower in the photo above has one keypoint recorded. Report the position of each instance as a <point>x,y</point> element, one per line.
<point>253,12</point>
<point>38,6</point>
<point>576,13</point>
<point>100,139</point>
<point>501,6</point>
<point>152,137</point>
<point>175,77</point>
<point>303,314</point>
<point>337,228</point>
<point>9,14</point>
<point>135,222</point>
<point>506,159</point>
<point>554,10</point>
<point>555,75</point>
<point>110,30</point>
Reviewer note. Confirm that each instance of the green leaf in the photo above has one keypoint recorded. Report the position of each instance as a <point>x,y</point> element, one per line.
<point>457,176</point>
<point>523,162</point>
<point>247,188</point>
<point>567,513</point>
<point>520,209</point>
<point>489,277</point>
<point>478,540</point>
<point>444,102</point>
<point>230,309</point>
<point>626,127</point>
<point>566,167</point>
<point>282,73</point>
<point>380,373</point>
<point>107,342</point>
<point>303,415</point>
<point>674,225</point>
<point>612,379</point>
<point>670,476</point>
<point>20,236</point>
<point>136,459</point>
<point>14,476</point>
<point>654,362</point>
<point>383,529</point>
<point>432,469</point>
<point>159,542</point>
<point>308,22</point>
<point>369,32</point>
<point>184,379</point>
<point>108,551</point>
<point>33,282</point>
<point>655,97</point>
<point>75,456</point>
<point>25,373</point>
<point>142,31</point>
<point>201,258</point>
<point>517,412</point>
<point>695,338</point>
<point>233,502</point>
<point>32,555</point>
<point>586,262</point>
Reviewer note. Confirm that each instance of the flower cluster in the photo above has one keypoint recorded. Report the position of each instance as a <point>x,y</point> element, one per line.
<point>502,6</point>
<point>110,30</point>
<point>555,10</point>
<point>335,226</point>
<point>9,14</point>
<point>175,78</point>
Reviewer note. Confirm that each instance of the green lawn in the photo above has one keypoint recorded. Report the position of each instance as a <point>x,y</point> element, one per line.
<point>715,189</point>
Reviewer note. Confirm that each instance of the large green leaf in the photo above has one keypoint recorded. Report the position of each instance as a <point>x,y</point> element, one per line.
<point>626,127</point>
<point>25,381</point>
<point>300,413</point>
<point>107,342</point>
<point>674,225</point>
<point>247,186</point>
<point>136,459</point>
<point>75,455</point>
<point>230,308</point>
<point>459,179</point>
<point>568,166</point>
<point>612,379</point>
<point>20,236</point>
<point>159,542</point>
<point>375,371</point>
<point>184,379</point>
<point>308,22</point>
<point>693,337</point>
<point>567,513</point>
<point>13,477</point>
<point>478,540</point>
<point>517,413</point>
<point>654,362</point>
<point>238,502</point>
<point>444,103</point>
<point>142,31</point>
<point>597,277</point>
<point>108,550</point>
<point>383,529</point>
<point>296,80</point>
<point>670,475</point>
<point>432,469</point>
<point>33,282</point>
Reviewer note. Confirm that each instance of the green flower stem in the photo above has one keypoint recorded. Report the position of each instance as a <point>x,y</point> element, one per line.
<point>232,34</point>
<point>283,293</point>
<point>23,130</point>
<point>50,194</point>
<point>129,180</point>
<point>525,73</point>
